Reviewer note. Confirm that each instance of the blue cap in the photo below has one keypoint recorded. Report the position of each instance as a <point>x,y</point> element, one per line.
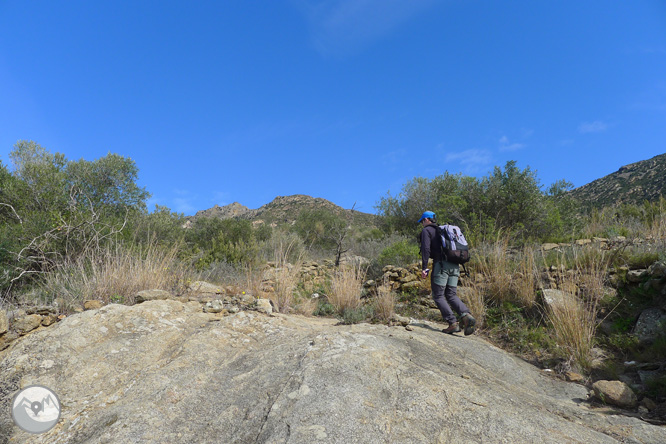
<point>428,214</point>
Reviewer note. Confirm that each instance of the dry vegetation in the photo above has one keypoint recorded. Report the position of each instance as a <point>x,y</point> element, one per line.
<point>346,287</point>
<point>114,275</point>
<point>384,302</point>
<point>286,277</point>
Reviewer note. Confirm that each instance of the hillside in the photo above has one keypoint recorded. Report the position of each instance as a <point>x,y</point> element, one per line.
<point>284,210</point>
<point>631,184</point>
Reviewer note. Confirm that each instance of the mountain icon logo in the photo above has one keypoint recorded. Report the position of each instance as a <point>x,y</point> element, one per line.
<point>36,409</point>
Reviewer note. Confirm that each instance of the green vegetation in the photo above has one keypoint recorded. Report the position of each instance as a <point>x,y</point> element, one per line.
<point>71,230</point>
<point>508,203</point>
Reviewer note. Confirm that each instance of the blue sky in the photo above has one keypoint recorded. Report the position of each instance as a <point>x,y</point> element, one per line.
<point>347,100</point>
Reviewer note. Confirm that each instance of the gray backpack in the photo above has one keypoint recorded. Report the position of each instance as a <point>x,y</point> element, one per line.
<point>454,245</point>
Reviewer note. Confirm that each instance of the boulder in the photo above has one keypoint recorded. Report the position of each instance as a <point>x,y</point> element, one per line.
<point>215,306</point>
<point>615,392</point>
<point>26,323</point>
<point>401,320</point>
<point>201,287</point>
<point>41,310</point>
<point>92,304</point>
<point>49,319</point>
<point>411,284</point>
<point>650,324</point>
<point>408,278</point>
<point>657,270</point>
<point>549,246</point>
<point>7,339</point>
<point>554,299</point>
<point>636,276</point>
<point>4,322</point>
<point>264,306</point>
<point>152,295</point>
<point>161,371</point>
<point>574,377</point>
<point>648,404</point>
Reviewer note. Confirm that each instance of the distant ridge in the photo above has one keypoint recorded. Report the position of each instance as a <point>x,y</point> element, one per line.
<point>284,210</point>
<point>631,184</point>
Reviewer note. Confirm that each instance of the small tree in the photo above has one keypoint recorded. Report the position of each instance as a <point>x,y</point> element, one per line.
<point>60,208</point>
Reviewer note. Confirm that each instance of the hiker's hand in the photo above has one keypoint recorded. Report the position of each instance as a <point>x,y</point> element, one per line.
<point>424,273</point>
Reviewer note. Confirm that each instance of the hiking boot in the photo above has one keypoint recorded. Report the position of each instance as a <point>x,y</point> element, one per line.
<point>468,323</point>
<point>452,328</point>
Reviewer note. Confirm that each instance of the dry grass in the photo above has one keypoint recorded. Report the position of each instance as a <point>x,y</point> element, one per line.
<point>252,280</point>
<point>114,275</point>
<point>286,277</point>
<point>346,286</point>
<point>384,302</point>
<point>472,296</point>
<point>508,277</point>
<point>525,280</point>
<point>306,306</point>
<point>574,326</point>
<point>575,319</point>
<point>495,266</point>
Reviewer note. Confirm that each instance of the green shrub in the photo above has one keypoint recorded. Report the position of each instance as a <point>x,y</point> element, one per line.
<point>324,309</point>
<point>400,254</point>
<point>656,387</point>
<point>622,343</point>
<point>643,259</point>
<point>356,315</point>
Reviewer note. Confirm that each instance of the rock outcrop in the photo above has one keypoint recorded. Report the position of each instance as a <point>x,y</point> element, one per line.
<point>165,371</point>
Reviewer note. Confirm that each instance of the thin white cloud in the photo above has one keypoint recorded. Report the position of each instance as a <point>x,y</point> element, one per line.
<point>342,27</point>
<point>592,127</point>
<point>473,161</point>
<point>653,50</point>
<point>184,205</point>
<point>396,157</point>
<point>505,145</point>
<point>526,133</point>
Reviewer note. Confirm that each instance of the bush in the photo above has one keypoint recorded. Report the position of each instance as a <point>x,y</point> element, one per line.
<point>356,315</point>
<point>324,308</point>
<point>400,254</point>
<point>113,275</point>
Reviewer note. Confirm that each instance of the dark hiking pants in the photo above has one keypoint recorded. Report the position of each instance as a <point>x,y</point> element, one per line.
<point>444,281</point>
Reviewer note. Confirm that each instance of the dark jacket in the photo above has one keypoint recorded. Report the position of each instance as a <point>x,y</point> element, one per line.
<point>431,245</point>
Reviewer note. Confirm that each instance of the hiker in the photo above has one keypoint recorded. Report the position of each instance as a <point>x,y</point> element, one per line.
<point>444,278</point>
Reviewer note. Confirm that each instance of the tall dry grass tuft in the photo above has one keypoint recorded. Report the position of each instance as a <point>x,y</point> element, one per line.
<point>495,267</point>
<point>524,281</point>
<point>574,326</point>
<point>115,275</point>
<point>286,277</point>
<point>253,278</point>
<point>472,296</point>
<point>574,318</point>
<point>384,301</point>
<point>346,286</point>
<point>306,306</point>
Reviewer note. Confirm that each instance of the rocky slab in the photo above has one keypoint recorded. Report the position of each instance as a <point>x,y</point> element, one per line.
<point>165,372</point>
